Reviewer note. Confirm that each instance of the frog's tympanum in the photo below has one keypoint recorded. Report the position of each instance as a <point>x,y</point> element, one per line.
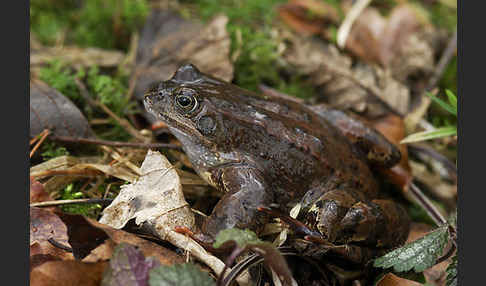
<point>276,152</point>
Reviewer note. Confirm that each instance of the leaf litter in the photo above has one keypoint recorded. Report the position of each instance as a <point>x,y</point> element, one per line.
<point>348,87</point>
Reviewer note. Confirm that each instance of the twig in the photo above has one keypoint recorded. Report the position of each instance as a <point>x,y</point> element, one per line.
<point>71,202</point>
<point>44,133</point>
<point>68,172</point>
<point>427,205</point>
<point>123,122</point>
<point>451,167</point>
<point>59,245</point>
<point>447,255</point>
<point>114,143</point>
<point>351,16</point>
<point>444,60</point>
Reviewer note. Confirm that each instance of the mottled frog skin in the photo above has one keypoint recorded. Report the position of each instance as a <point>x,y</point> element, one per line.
<point>275,151</point>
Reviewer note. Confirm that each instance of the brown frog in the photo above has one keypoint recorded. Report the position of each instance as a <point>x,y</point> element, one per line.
<point>264,151</point>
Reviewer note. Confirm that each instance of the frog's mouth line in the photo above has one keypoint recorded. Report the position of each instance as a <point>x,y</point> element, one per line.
<point>173,123</point>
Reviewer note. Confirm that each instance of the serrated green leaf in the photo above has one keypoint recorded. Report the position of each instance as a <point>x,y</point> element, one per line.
<point>427,135</point>
<point>448,107</point>
<point>451,271</point>
<point>418,255</point>
<point>241,237</point>
<point>452,99</point>
<point>179,275</point>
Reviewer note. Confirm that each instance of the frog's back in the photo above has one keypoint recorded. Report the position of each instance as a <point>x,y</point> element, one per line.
<point>295,146</point>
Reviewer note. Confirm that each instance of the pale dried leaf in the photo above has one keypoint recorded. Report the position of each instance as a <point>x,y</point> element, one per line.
<point>155,196</point>
<point>76,56</point>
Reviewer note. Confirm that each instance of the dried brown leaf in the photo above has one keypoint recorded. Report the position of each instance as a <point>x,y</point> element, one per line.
<point>37,192</point>
<point>53,273</point>
<point>342,84</point>
<point>45,226</point>
<point>391,279</point>
<point>49,109</point>
<point>297,18</point>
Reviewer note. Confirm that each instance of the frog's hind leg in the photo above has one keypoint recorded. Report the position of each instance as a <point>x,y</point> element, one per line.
<point>344,215</point>
<point>380,223</point>
<point>378,150</point>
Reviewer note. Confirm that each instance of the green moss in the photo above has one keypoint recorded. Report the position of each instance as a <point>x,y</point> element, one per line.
<point>60,76</point>
<point>52,150</point>
<point>105,24</point>
<point>71,192</point>
<point>109,90</point>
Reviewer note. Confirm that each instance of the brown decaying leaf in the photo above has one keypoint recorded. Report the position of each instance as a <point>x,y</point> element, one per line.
<point>37,192</point>
<point>391,279</point>
<point>49,109</point>
<point>297,14</point>
<point>74,273</point>
<point>379,39</point>
<point>341,83</point>
<point>45,225</point>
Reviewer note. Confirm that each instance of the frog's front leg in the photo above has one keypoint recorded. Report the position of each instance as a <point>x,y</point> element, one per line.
<point>378,150</point>
<point>246,189</point>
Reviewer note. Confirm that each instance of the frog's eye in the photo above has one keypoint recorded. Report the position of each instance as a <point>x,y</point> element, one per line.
<point>186,100</point>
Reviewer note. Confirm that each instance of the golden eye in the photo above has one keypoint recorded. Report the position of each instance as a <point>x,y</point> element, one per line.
<point>186,100</point>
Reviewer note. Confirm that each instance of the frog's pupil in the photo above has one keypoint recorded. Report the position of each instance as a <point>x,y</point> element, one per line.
<point>184,101</point>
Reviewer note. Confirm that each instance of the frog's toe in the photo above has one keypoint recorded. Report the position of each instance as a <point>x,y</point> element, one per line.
<point>332,207</point>
<point>202,239</point>
<point>381,223</point>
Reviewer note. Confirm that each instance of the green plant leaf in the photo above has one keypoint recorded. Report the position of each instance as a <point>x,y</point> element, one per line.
<point>452,99</point>
<point>451,271</point>
<point>427,135</point>
<point>241,237</point>
<point>179,275</point>
<point>418,255</point>
<point>448,107</point>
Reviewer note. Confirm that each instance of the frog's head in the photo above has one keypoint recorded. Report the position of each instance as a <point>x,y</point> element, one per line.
<point>183,103</point>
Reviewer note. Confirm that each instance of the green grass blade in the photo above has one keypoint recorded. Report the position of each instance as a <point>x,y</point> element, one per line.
<point>452,99</point>
<point>427,135</point>
<point>444,104</point>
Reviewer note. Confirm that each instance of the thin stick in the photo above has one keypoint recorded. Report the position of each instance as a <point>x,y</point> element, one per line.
<point>427,205</point>
<point>44,133</point>
<point>114,143</point>
<point>444,61</point>
<point>351,16</point>
<point>71,202</point>
<point>447,255</point>
<point>70,172</point>
<point>33,140</point>
<point>59,245</point>
<point>123,122</point>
